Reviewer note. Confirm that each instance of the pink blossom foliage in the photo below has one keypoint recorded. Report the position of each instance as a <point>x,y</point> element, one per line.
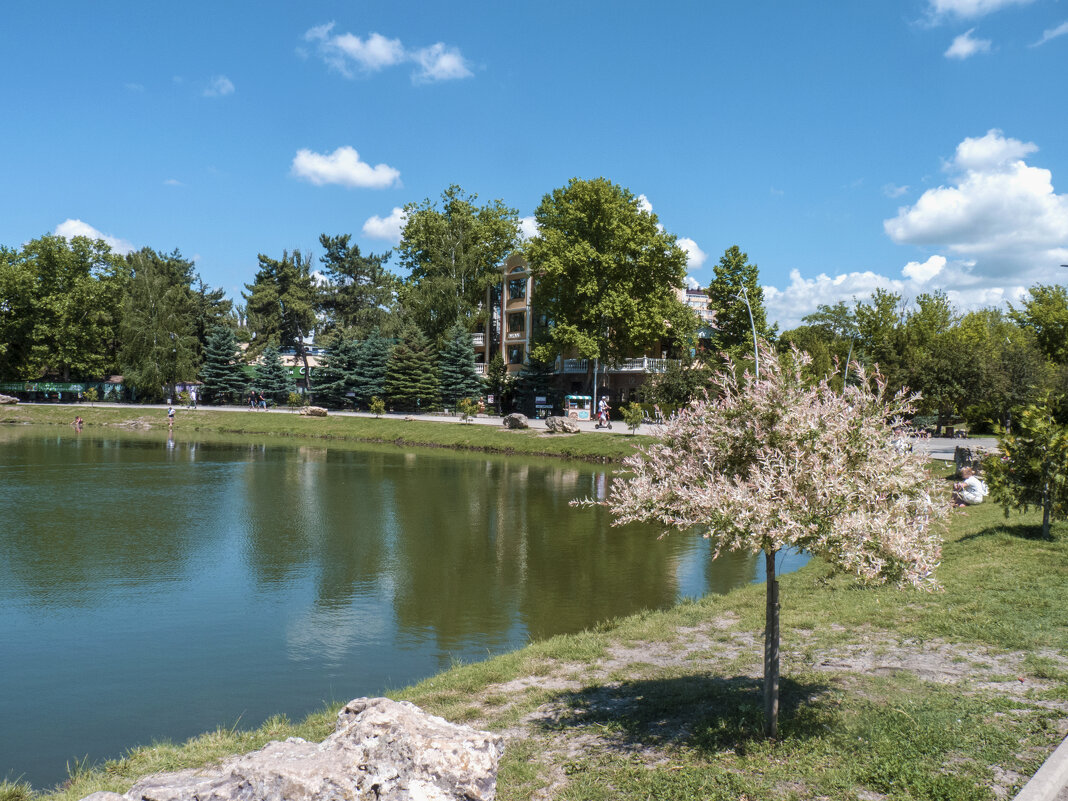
<point>781,462</point>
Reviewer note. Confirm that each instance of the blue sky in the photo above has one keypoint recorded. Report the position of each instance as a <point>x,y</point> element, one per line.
<point>843,145</point>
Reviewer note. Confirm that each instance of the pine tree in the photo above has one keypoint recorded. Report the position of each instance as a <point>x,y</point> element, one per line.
<point>456,364</point>
<point>369,372</point>
<point>272,377</point>
<point>224,380</point>
<point>336,378</point>
<point>411,378</point>
<point>536,378</point>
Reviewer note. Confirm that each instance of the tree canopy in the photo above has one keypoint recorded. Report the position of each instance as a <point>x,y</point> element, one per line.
<point>453,253</point>
<point>733,274</point>
<point>608,275</point>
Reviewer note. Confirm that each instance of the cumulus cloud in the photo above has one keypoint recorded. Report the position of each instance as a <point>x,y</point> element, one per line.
<point>998,212</point>
<point>1052,33</point>
<point>922,273</point>
<point>966,46</point>
<point>692,283</point>
<point>970,9</point>
<point>219,86</point>
<point>388,228</point>
<point>343,167</point>
<point>70,228</point>
<point>695,257</point>
<point>350,55</point>
<point>528,227</point>
<point>644,204</point>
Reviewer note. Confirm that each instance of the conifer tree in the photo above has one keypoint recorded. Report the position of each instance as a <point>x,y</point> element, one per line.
<point>224,380</point>
<point>456,364</point>
<point>733,327</point>
<point>411,378</point>
<point>336,378</point>
<point>369,371</point>
<point>272,377</point>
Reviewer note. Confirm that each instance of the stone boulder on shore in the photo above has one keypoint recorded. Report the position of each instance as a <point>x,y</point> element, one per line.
<point>561,425</point>
<point>516,420</point>
<point>313,411</point>
<point>7,399</point>
<point>381,750</point>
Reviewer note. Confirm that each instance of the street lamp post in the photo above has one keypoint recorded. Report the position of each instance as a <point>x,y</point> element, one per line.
<point>756,351</point>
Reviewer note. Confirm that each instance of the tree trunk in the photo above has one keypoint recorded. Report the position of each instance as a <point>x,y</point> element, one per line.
<point>771,648</point>
<point>1047,501</point>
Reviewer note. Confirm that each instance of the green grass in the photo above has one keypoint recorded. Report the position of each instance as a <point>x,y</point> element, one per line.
<point>392,429</point>
<point>688,726</point>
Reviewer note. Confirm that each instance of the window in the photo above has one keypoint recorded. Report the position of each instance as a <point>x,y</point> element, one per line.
<point>517,322</point>
<point>515,354</point>
<point>517,289</point>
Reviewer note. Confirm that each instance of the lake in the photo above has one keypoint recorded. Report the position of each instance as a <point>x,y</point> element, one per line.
<point>155,587</point>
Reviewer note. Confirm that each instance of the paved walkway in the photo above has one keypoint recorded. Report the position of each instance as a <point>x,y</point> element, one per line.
<point>936,447</point>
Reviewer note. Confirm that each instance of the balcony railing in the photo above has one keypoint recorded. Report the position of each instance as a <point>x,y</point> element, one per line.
<point>478,340</point>
<point>643,365</point>
<point>480,368</point>
<point>574,366</point>
<point>511,336</point>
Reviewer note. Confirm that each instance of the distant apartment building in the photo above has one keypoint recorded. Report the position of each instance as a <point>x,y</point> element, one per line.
<point>511,326</point>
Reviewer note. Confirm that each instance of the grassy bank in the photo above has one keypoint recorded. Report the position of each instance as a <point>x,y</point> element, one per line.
<point>886,693</point>
<point>390,429</point>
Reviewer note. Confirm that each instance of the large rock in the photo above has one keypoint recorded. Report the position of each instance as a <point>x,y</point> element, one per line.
<point>561,425</point>
<point>7,399</point>
<point>381,750</point>
<point>516,420</point>
<point>313,411</point>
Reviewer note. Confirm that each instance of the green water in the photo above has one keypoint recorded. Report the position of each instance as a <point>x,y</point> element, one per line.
<point>157,588</point>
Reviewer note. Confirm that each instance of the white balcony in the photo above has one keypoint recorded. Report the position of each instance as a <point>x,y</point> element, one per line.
<point>480,368</point>
<point>642,365</point>
<point>478,340</point>
<point>574,366</point>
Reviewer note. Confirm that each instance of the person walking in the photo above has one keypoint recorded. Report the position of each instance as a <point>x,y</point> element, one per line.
<point>193,397</point>
<point>170,417</point>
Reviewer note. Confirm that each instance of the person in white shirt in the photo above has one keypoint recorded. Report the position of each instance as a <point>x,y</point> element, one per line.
<point>971,489</point>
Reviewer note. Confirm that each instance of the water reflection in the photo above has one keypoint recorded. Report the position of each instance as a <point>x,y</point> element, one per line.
<point>237,580</point>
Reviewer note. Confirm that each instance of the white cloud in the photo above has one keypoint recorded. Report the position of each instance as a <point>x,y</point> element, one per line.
<point>350,54</point>
<point>71,228</point>
<point>344,167</point>
<point>692,283</point>
<point>644,204</point>
<point>695,257</point>
<point>1052,33</point>
<point>970,9</point>
<point>219,86</point>
<point>528,228</point>
<point>893,190</point>
<point>999,212</point>
<point>173,182</point>
<point>439,63</point>
<point>966,46</point>
<point>922,273</point>
<point>388,228</point>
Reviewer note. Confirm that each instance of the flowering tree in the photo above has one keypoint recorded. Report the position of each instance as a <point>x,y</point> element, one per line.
<point>777,462</point>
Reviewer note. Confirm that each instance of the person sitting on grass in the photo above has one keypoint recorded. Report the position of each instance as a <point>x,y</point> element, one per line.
<point>970,490</point>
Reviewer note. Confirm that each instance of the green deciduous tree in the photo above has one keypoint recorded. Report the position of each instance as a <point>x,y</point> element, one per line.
<point>453,253</point>
<point>456,367</point>
<point>607,275</point>
<point>222,372</point>
<point>360,295</point>
<point>1032,469</point>
<point>411,381</point>
<point>779,462</point>
<point>272,378</point>
<point>1046,313</point>
<point>159,346</point>
<point>733,274</point>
